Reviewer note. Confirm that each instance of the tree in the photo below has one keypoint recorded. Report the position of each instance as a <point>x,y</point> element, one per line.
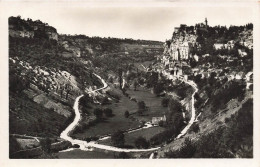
<point>161,123</point>
<point>118,139</point>
<point>195,128</point>
<point>98,113</point>
<point>120,77</point>
<point>105,101</point>
<point>187,150</point>
<point>141,107</point>
<point>135,85</point>
<point>127,114</point>
<point>108,112</point>
<point>158,88</point>
<point>46,145</point>
<point>251,87</point>
<point>175,106</point>
<point>141,142</point>
<point>165,102</point>
<point>122,155</point>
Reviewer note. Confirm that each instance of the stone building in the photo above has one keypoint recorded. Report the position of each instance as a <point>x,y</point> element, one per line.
<point>156,120</point>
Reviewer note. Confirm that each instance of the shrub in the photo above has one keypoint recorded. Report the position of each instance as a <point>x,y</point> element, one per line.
<point>98,113</point>
<point>141,107</point>
<point>108,112</point>
<point>165,102</point>
<point>105,101</point>
<point>141,142</point>
<point>195,128</point>
<point>251,87</point>
<point>161,123</point>
<point>187,150</point>
<point>127,114</point>
<point>122,155</point>
<point>118,139</point>
<point>158,89</point>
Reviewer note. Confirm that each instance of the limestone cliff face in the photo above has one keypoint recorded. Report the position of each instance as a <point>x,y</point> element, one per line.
<point>31,29</point>
<point>181,45</point>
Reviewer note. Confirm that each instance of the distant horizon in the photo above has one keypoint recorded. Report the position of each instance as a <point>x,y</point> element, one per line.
<point>143,23</point>
<point>119,37</point>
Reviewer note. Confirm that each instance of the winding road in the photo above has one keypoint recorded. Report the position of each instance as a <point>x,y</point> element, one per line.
<point>88,146</point>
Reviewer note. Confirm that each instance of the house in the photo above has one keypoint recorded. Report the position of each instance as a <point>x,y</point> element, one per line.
<point>242,53</point>
<point>156,120</point>
<point>176,29</point>
<point>232,75</point>
<point>230,44</point>
<point>196,58</point>
<point>239,76</point>
<point>14,33</point>
<point>249,76</point>
<point>218,46</point>
<point>205,55</point>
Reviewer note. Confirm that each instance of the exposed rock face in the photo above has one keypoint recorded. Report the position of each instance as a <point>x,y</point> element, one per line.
<point>31,29</point>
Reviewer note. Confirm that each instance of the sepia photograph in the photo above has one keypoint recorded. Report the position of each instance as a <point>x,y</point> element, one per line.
<point>140,81</point>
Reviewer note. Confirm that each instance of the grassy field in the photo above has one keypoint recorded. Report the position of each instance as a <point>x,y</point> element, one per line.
<point>115,123</point>
<point>153,103</point>
<point>118,121</point>
<point>131,137</point>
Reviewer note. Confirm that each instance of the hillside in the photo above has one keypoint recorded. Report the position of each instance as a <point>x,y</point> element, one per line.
<point>221,61</point>
<point>47,71</point>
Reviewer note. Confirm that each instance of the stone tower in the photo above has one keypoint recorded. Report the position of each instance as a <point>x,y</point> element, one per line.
<point>206,22</point>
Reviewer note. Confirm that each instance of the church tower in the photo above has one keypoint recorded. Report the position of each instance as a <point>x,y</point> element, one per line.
<point>206,22</point>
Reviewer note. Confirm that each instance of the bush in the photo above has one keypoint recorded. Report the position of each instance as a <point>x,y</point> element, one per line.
<point>105,101</point>
<point>46,145</point>
<point>118,139</point>
<point>108,112</point>
<point>251,87</point>
<point>122,155</point>
<point>158,89</point>
<point>227,120</point>
<point>98,113</point>
<point>127,114</point>
<point>187,150</point>
<point>164,136</point>
<point>195,128</point>
<point>161,123</point>
<point>141,107</point>
<point>165,102</point>
<point>141,142</point>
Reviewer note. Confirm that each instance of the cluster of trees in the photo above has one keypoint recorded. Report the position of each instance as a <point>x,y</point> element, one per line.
<point>17,83</point>
<point>233,90</point>
<point>118,139</point>
<point>141,142</point>
<point>96,39</point>
<point>218,34</point>
<point>165,101</point>
<point>98,112</point>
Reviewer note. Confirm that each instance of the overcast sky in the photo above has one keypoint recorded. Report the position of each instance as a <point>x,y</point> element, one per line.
<point>153,23</point>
